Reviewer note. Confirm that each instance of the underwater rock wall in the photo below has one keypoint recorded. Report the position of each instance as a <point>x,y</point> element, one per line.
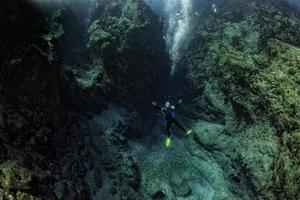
<point>125,44</point>
<point>244,68</point>
<point>59,139</point>
<point>112,171</point>
<point>38,112</point>
<point>52,82</point>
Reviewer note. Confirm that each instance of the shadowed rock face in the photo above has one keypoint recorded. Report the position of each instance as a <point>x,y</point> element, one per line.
<point>35,120</point>
<point>51,82</point>
<point>125,41</point>
<point>18,21</point>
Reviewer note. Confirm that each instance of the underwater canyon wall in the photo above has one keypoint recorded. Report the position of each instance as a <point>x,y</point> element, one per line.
<point>60,70</point>
<point>243,64</point>
<point>55,75</point>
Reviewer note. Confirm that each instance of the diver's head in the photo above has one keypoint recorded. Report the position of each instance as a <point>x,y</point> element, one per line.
<point>167,105</point>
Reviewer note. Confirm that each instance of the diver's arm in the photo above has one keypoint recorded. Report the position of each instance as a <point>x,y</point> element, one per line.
<point>156,106</point>
<point>179,102</point>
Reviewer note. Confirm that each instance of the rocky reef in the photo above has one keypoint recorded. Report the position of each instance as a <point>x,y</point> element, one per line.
<point>75,93</point>
<point>244,66</point>
<point>126,52</point>
<point>53,80</point>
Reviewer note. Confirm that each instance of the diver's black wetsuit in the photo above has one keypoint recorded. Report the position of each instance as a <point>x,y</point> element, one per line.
<point>170,118</point>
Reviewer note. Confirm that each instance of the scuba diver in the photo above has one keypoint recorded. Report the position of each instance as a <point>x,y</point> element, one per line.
<point>170,116</point>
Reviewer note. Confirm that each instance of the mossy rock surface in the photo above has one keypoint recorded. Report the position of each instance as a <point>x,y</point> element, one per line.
<point>262,91</point>
<point>15,177</point>
<point>247,56</point>
<point>128,39</point>
<point>259,74</point>
<point>25,196</point>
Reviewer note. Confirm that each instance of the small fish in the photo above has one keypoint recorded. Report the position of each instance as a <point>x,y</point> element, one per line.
<point>236,178</point>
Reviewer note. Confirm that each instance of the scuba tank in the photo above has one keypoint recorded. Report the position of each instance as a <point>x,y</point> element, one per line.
<point>173,113</point>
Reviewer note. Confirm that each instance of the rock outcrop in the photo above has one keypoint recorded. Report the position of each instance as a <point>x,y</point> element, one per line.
<point>50,85</point>
<point>244,66</point>
<point>126,52</point>
<point>113,172</point>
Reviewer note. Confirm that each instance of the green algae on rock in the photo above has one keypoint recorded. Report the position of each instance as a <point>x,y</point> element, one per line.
<point>14,177</point>
<point>128,37</point>
<point>250,62</point>
<point>17,183</point>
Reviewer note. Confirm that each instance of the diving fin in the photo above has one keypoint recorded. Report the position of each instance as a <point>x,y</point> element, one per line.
<point>168,141</point>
